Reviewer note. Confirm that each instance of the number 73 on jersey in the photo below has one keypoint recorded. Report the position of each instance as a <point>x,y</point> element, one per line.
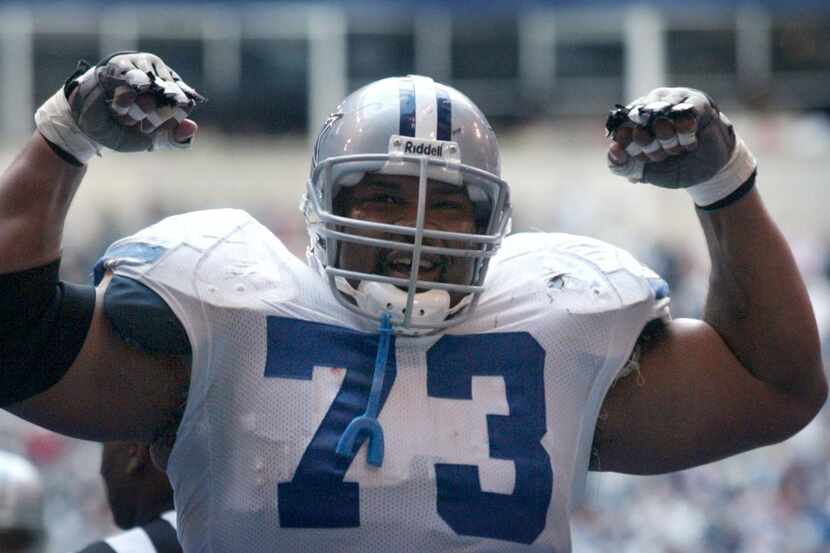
<point>318,497</point>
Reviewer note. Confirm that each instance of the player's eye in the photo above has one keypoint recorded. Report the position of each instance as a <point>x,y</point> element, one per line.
<point>383,198</point>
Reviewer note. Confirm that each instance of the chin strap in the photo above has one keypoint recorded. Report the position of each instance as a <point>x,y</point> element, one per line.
<point>431,307</point>
<point>368,422</point>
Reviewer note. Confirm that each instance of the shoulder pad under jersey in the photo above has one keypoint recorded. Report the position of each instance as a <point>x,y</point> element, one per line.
<point>143,319</point>
<point>567,262</point>
<point>223,257</point>
<point>197,230</point>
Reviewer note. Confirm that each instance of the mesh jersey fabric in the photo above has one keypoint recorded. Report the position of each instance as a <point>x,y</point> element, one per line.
<point>487,427</point>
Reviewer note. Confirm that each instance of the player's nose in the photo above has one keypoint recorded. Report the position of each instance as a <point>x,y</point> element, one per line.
<point>406,215</point>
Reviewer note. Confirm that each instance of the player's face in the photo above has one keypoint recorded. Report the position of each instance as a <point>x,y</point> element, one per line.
<point>393,199</point>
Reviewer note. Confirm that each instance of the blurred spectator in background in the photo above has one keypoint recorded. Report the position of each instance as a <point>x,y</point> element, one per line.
<point>141,500</point>
<point>21,506</point>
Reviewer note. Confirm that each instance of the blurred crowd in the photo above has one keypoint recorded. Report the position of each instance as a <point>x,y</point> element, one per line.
<point>769,500</point>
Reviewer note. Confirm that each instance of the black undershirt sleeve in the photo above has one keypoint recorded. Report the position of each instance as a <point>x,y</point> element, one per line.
<point>43,325</point>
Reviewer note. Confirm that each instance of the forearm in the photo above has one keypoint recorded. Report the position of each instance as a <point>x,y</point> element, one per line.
<point>757,300</point>
<point>35,193</point>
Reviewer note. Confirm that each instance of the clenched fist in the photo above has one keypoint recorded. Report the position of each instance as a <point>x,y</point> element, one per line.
<point>677,138</point>
<point>128,102</point>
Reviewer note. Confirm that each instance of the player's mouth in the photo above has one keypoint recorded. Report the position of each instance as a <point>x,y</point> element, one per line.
<point>399,265</point>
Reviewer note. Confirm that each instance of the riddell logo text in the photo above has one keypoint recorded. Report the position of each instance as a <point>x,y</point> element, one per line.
<point>423,149</point>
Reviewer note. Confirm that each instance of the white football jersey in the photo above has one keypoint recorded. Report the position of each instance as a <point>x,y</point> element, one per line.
<point>487,427</point>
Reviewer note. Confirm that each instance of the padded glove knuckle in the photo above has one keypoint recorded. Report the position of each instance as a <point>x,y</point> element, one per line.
<point>81,118</point>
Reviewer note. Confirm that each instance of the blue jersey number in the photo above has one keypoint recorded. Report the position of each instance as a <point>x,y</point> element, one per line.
<point>517,356</point>
<point>317,496</point>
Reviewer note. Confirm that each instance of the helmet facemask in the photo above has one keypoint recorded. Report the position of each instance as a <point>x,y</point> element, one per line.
<point>429,133</point>
<point>416,306</point>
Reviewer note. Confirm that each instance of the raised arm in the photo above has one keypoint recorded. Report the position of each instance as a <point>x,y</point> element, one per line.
<point>750,373</point>
<point>758,303</point>
<point>61,366</point>
<point>35,193</point>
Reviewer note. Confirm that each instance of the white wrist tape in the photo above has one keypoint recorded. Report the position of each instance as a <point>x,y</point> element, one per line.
<point>632,169</point>
<point>54,121</point>
<point>736,172</point>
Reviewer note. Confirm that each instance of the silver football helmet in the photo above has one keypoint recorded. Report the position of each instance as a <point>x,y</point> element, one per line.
<point>406,126</point>
<point>21,505</point>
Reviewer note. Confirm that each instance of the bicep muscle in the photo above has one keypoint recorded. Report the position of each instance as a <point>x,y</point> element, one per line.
<point>111,391</point>
<point>692,403</point>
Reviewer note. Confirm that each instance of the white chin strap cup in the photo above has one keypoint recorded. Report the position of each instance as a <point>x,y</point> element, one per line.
<point>430,308</point>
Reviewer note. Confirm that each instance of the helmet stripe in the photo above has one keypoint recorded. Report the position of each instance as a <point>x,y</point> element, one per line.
<point>444,114</point>
<point>407,100</point>
<point>425,107</point>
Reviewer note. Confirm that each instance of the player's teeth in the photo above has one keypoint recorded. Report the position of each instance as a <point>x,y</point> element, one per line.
<point>406,263</point>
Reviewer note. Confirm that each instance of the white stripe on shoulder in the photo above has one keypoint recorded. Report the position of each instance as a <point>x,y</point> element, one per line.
<point>132,541</point>
<point>426,107</point>
<point>170,517</point>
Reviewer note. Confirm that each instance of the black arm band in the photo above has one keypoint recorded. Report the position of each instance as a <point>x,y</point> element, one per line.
<point>61,153</point>
<point>43,325</point>
<point>739,193</point>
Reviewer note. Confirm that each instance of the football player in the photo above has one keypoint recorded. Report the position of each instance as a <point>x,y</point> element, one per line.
<point>141,501</point>
<point>425,383</point>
